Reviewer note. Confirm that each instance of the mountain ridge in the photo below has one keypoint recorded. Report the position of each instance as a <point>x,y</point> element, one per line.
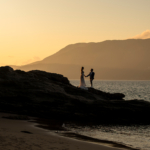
<point>131,55</point>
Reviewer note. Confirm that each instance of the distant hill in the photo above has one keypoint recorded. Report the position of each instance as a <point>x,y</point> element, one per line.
<point>111,60</point>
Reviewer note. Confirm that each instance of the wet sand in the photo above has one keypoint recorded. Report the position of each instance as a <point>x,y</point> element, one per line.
<point>23,135</point>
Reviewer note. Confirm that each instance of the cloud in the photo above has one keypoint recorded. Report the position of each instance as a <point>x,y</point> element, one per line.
<point>27,62</point>
<point>144,35</point>
<point>35,58</point>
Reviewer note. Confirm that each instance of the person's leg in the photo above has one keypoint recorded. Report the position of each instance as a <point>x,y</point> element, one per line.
<point>91,82</point>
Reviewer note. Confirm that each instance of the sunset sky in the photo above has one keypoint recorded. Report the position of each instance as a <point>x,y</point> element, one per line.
<point>31,30</point>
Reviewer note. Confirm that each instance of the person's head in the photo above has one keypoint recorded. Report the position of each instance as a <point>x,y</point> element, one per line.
<point>91,70</point>
<point>82,68</point>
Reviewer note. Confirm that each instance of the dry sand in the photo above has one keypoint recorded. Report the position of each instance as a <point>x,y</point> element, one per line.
<point>11,138</point>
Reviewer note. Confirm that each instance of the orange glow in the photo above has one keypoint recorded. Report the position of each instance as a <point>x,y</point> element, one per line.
<point>31,30</point>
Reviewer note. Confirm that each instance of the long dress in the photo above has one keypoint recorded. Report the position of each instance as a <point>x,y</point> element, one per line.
<point>82,81</point>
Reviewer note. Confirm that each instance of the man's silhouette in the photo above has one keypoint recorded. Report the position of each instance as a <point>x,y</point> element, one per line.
<point>91,74</point>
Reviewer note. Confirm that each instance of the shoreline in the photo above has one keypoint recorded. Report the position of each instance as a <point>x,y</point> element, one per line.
<point>37,137</point>
<point>60,131</point>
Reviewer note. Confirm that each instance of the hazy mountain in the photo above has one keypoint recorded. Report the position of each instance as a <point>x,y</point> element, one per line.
<point>114,60</point>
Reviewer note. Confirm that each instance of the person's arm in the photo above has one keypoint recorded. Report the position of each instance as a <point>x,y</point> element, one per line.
<point>88,74</point>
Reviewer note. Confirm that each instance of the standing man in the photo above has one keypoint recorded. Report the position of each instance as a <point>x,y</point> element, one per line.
<point>91,74</point>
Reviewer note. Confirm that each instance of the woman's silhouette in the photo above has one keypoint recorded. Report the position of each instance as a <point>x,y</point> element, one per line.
<point>82,81</point>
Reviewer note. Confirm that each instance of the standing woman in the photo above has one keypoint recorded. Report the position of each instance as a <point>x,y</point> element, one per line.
<point>82,81</point>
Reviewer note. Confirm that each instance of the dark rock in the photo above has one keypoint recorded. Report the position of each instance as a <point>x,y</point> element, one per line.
<point>6,69</point>
<point>51,96</point>
<point>107,96</point>
<point>27,132</point>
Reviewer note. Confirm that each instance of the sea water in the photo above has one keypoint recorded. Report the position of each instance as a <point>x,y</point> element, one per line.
<point>131,89</point>
<point>133,136</point>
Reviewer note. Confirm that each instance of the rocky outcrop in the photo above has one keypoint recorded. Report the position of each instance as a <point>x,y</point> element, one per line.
<point>48,95</point>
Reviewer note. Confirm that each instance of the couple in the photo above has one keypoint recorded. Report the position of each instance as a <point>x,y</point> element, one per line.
<point>82,82</point>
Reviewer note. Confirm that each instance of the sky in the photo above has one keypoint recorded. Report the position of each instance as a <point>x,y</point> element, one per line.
<point>31,30</point>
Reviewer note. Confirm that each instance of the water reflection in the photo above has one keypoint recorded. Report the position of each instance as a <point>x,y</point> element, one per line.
<point>132,136</point>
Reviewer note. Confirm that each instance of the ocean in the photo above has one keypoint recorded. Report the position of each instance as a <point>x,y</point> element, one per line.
<point>132,136</point>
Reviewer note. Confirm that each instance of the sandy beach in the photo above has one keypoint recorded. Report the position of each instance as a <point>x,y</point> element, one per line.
<point>22,135</point>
